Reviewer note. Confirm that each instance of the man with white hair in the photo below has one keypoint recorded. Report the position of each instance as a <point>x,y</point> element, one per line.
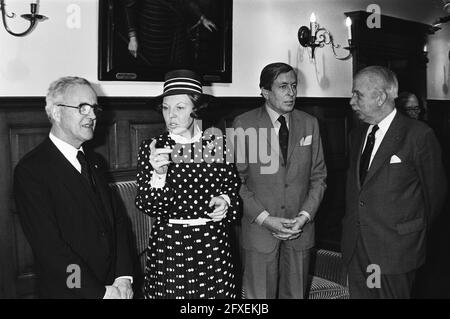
<point>395,189</point>
<point>78,235</point>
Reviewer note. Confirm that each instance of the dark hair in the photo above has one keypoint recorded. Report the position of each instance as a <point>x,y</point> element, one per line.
<point>403,98</point>
<point>271,72</point>
<point>200,102</point>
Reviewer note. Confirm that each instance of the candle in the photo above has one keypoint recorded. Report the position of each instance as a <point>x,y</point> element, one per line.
<point>312,24</point>
<point>425,49</point>
<point>348,23</point>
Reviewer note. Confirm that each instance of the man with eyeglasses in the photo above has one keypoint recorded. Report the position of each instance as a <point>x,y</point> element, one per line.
<point>78,235</point>
<point>408,104</point>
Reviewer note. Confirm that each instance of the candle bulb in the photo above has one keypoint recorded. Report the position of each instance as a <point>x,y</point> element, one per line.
<point>33,7</point>
<point>348,23</point>
<point>312,24</point>
<point>425,49</point>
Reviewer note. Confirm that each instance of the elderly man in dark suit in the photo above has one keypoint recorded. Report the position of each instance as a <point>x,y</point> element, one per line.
<point>78,236</point>
<point>280,198</point>
<point>395,189</point>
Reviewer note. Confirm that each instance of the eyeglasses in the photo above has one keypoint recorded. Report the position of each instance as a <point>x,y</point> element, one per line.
<point>85,108</point>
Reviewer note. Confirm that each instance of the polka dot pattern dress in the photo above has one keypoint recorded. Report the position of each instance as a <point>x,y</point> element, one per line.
<point>186,261</point>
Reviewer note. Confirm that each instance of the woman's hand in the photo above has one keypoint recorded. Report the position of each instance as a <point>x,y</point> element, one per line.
<point>159,158</point>
<point>220,208</point>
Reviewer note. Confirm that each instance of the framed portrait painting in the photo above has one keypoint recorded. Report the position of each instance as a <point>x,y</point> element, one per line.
<point>140,40</point>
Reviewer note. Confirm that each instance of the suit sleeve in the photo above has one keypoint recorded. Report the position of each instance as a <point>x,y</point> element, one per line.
<point>130,15</point>
<point>317,184</point>
<point>431,174</point>
<point>252,206</point>
<point>40,226</point>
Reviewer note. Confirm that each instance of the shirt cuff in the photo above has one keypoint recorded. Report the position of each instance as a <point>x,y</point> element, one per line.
<point>261,217</point>
<point>306,214</point>
<point>126,277</point>
<point>226,198</point>
<point>158,180</point>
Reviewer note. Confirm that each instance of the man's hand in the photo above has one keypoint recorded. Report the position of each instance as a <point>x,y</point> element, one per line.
<point>124,287</point>
<point>133,46</point>
<point>281,228</point>
<point>300,222</point>
<point>112,293</point>
<point>220,208</point>
<point>208,24</point>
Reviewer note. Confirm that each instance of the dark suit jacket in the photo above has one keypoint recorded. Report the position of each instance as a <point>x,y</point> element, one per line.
<point>296,185</point>
<point>67,223</point>
<point>398,201</point>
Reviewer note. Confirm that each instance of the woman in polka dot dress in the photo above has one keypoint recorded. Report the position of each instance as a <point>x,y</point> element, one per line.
<point>186,183</point>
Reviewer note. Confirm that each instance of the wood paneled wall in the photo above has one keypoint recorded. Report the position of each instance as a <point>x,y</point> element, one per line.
<point>122,126</point>
<point>433,278</point>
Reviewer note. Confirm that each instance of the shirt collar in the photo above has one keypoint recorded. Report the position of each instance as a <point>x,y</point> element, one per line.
<point>184,140</point>
<point>386,122</point>
<point>68,150</point>
<point>274,116</point>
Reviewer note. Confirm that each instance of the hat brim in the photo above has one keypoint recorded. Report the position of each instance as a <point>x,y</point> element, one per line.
<point>204,96</point>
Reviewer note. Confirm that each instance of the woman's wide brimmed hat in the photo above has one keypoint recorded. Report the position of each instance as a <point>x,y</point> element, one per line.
<point>182,82</point>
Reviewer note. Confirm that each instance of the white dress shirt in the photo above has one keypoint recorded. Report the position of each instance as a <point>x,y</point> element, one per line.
<point>383,127</point>
<point>276,125</point>
<point>274,119</point>
<point>69,152</point>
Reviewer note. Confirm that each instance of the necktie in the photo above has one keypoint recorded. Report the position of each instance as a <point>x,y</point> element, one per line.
<point>85,171</point>
<point>365,157</point>
<point>283,137</point>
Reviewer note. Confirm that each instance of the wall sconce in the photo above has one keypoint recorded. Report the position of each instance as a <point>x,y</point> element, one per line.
<point>437,24</point>
<point>317,37</point>
<point>32,17</point>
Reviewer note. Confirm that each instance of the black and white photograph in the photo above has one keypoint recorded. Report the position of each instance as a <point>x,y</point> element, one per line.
<point>214,157</point>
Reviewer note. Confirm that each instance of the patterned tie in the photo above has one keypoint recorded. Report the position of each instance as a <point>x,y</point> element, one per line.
<point>365,157</point>
<point>85,171</point>
<point>283,136</point>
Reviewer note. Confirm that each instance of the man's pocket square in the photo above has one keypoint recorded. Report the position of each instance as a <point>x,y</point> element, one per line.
<point>305,141</point>
<point>395,159</point>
